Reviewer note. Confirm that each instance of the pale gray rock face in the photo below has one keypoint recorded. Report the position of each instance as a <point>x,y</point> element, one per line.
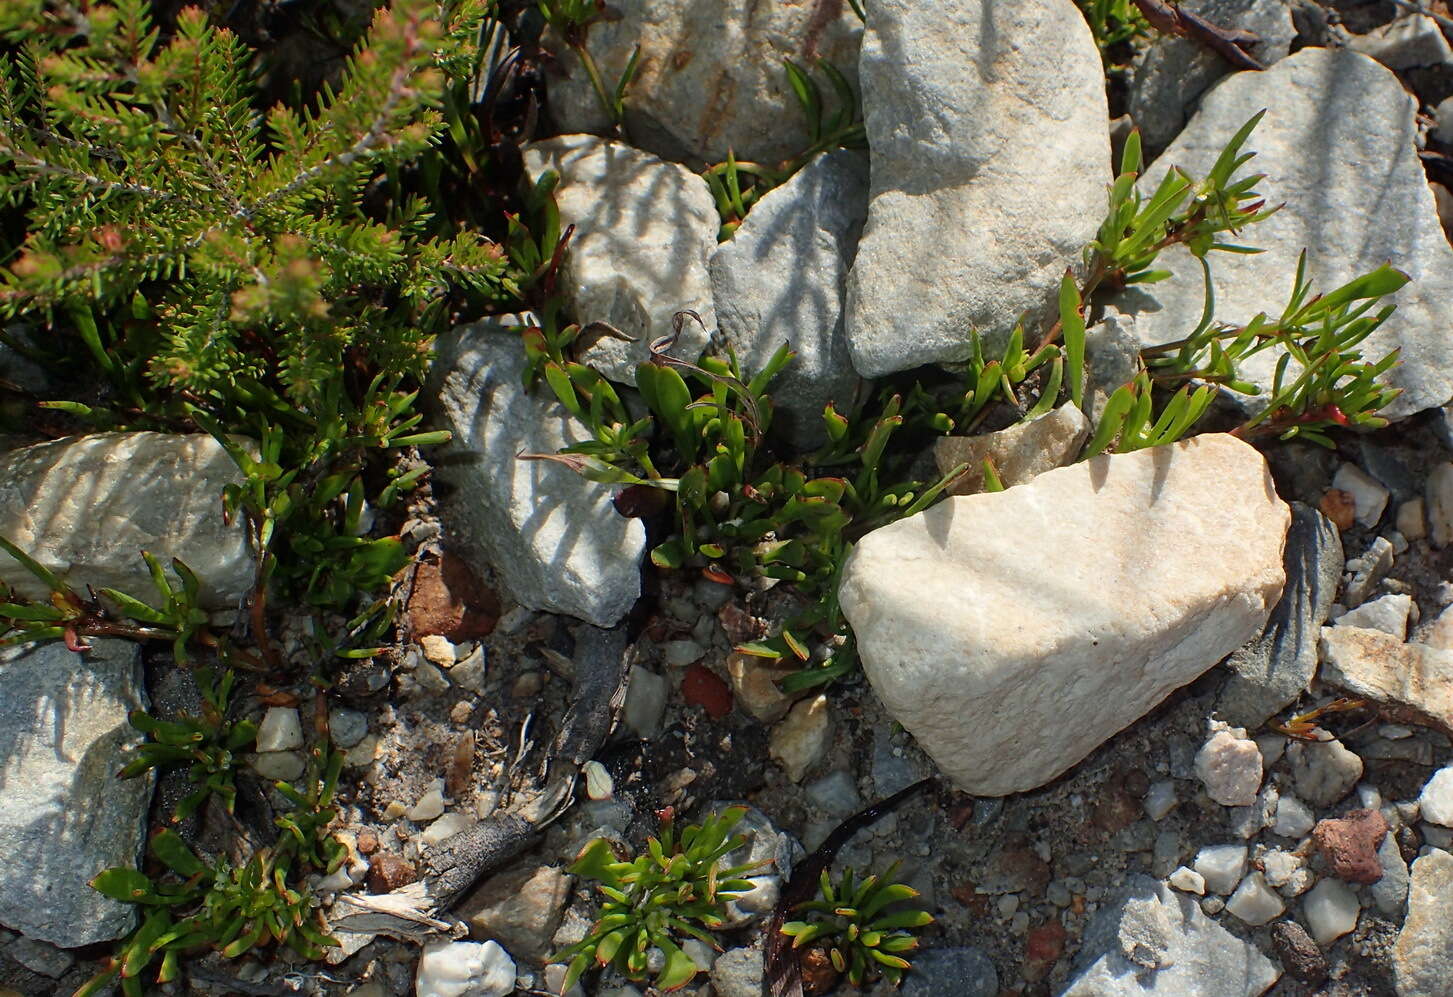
<point>991,152</point>
<point>1273,669</point>
<point>644,230</point>
<point>780,279</point>
<point>710,77</point>
<point>553,537</point>
<point>1422,959</point>
<point>1156,942</point>
<point>952,610</point>
<point>1017,453</point>
<point>87,507</point>
<point>1337,148</point>
<point>1410,40</point>
<point>64,816</point>
<point>1173,72</point>
<point>1377,666</point>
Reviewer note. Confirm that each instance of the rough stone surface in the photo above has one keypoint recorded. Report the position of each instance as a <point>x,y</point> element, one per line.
<point>1390,892</point>
<point>984,116</point>
<point>1408,41</point>
<point>781,279</point>
<point>799,740</point>
<point>86,507</point>
<point>1323,771</point>
<point>644,230</point>
<point>927,595</point>
<point>1221,867</point>
<point>710,76</point>
<point>1422,959</point>
<point>1439,504</point>
<point>737,973</point>
<point>1254,902</point>
<point>1436,800</point>
<point>1229,766</point>
<point>65,817</point>
<point>552,536</point>
<point>1369,497</point>
<point>1378,666</point>
<point>1173,72</point>
<point>1112,358</point>
<point>1299,955</point>
<point>1337,146</point>
<point>1154,941</point>
<point>955,972</point>
<point>1349,845</point>
<point>1272,670</point>
<point>1018,453</point>
<point>464,969</point>
<point>520,909</point>
<point>1388,613</point>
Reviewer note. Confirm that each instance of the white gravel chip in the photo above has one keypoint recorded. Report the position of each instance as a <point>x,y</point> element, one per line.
<point>1221,866</point>
<point>1188,881</point>
<point>1368,495</point>
<point>281,730</point>
<point>1331,909</point>
<point>1254,902</point>
<point>1229,765</point>
<point>1436,800</point>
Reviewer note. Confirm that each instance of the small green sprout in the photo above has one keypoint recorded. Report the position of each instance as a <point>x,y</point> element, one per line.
<point>675,888</point>
<point>850,919</point>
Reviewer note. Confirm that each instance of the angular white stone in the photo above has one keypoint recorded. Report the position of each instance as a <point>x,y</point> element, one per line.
<point>87,507</point>
<point>1188,881</point>
<point>553,537</point>
<point>1378,666</point>
<point>1439,504</point>
<point>1221,866</point>
<point>1017,599</point>
<point>1323,771</point>
<point>1293,818</point>
<point>1388,613</point>
<point>1255,902</point>
<point>464,969</point>
<point>990,144</point>
<point>1408,41</point>
<point>799,739</point>
<point>710,77</point>
<point>281,730</point>
<point>1436,800</point>
<point>1338,146</point>
<point>1017,453</point>
<point>64,816</point>
<point>1369,497</point>
<point>644,230</point>
<point>1331,909</point>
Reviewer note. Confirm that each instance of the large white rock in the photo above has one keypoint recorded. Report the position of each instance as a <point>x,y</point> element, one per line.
<point>64,816</point>
<point>1422,959</point>
<point>780,280</point>
<point>1374,665</point>
<point>1338,149</point>
<point>644,230</point>
<point>1013,632</point>
<point>87,507</point>
<point>710,77</point>
<point>991,152</point>
<point>553,537</point>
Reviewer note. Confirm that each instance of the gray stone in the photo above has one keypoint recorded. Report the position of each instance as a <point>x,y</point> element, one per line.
<point>1368,571</point>
<point>521,909</point>
<point>1408,41</point>
<point>1338,148</point>
<point>86,508</point>
<point>928,598</point>
<point>835,793</point>
<point>1172,72</point>
<point>1422,959</point>
<point>1112,359</point>
<point>1276,666</point>
<point>1443,115</point>
<point>1293,818</point>
<point>1254,902</point>
<point>553,537</point>
<point>1390,893</point>
<point>1323,771</point>
<point>64,816</point>
<point>346,727</point>
<point>958,97</point>
<point>1153,941</point>
<point>957,972</point>
<point>781,279</point>
<point>1018,453</point>
<point>1221,866</point>
<point>738,973</point>
<point>710,77</point>
<point>1439,504</point>
<point>644,230</point>
<point>1379,667</point>
<point>771,852</point>
<point>645,701</point>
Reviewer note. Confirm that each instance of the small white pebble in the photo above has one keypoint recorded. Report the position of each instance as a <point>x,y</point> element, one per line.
<point>430,805</point>
<point>1160,799</point>
<point>598,783</point>
<point>1332,910</point>
<point>1254,902</point>
<point>438,649</point>
<point>1188,881</point>
<point>281,730</point>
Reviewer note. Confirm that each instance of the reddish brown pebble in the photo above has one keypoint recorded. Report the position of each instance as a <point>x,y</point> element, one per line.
<point>460,772</point>
<point>961,813</point>
<point>1349,845</point>
<point>449,599</point>
<point>818,975</point>
<point>1339,507</point>
<point>702,687</point>
<point>387,872</point>
<point>367,842</point>
<point>1117,811</point>
<point>1042,950</point>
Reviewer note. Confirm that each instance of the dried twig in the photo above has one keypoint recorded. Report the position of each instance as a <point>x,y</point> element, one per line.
<point>1171,19</point>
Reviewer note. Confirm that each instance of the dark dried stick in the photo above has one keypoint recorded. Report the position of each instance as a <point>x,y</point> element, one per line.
<point>1171,19</point>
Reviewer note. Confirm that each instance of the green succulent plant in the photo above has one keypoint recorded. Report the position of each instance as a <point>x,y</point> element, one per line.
<point>852,921</point>
<point>676,888</point>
